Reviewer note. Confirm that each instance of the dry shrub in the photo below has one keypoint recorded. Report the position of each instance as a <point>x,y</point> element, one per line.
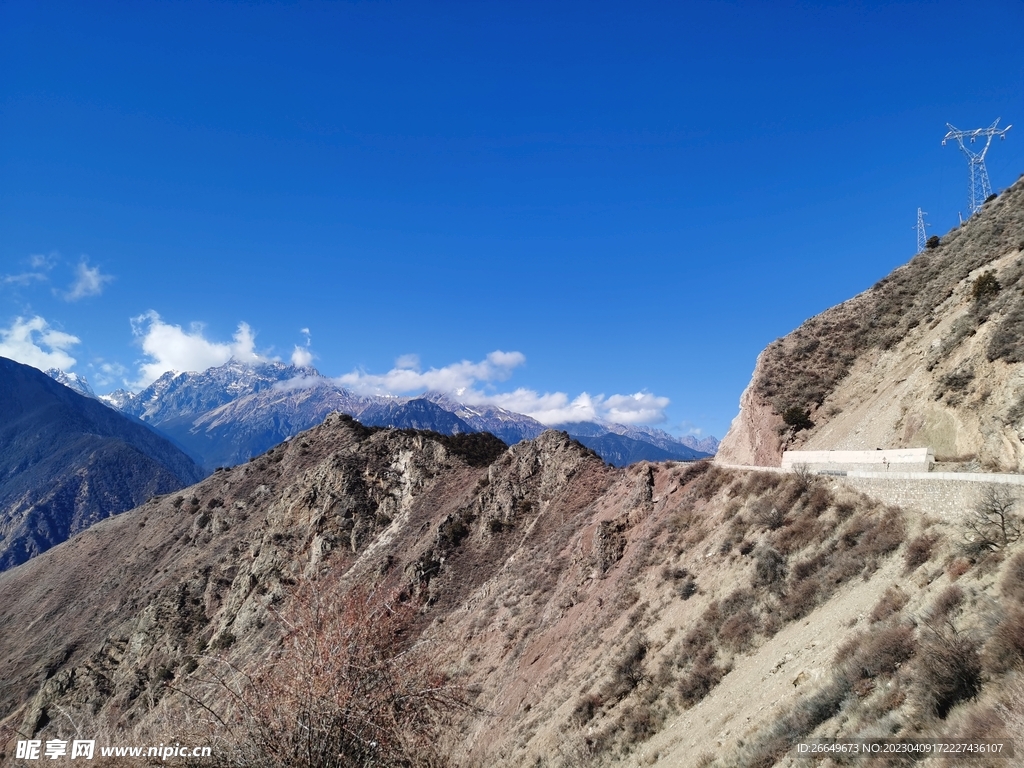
<point>669,573</point>
<point>950,667</point>
<point>737,600</point>
<point>586,708</point>
<point>694,470</point>
<point>684,584</point>
<point>347,688</point>
<point>767,514</point>
<point>758,483</point>
<point>818,500</point>
<point>639,722</point>
<point>893,698</point>
<point>794,487</point>
<point>769,569</point>
<point>892,602</point>
<point>702,677</point>
<point>771,623</point>
<point>993,523</point>
<point>800,600</point>
<point>885,534</point>
<point>842,567</point>
<point>700,637</point>
<point>797,535</point>
<point>737,632</point>
<point>811,565</point>
<point>629,670</point>
<point>983,724</point>
<point>1005,648</point>
<point>711,482</point>
<point>848,648</point>
<point>958,567</point>
<point>1012,585</point>
<point>845,510</point>
<point>945,604</point>
<point>919,551</point>
<point>881,652</point>
<point>771,746</point>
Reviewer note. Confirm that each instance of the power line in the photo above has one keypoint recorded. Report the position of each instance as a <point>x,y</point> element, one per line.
<point>979,187</point>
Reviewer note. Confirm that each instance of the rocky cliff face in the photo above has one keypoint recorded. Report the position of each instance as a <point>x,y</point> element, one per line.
<point>930,356</point>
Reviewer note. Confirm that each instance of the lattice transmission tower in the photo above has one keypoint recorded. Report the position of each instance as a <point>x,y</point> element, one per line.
<point>979,188</point>
<point>922,235</point>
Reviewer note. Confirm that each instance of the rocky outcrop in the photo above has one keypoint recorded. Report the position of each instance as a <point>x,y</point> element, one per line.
<point>754,438</point>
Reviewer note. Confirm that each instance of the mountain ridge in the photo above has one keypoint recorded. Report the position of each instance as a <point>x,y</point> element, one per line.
<point>67,460</point>
<point>227,414</point>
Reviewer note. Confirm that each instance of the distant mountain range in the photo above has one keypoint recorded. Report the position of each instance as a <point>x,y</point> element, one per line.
<point>67,461</point>
<point>225,415</point>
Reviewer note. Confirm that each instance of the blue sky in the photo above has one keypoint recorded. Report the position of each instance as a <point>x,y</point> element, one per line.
<point>620,198</point>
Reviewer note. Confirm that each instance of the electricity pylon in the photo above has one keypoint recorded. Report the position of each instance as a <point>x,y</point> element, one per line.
<point>922,236</point>
<point>980,188</point>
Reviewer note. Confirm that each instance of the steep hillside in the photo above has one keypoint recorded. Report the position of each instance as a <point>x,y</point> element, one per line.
<point>67,460</point>
<point>931,355</point>
<point>528,606</point>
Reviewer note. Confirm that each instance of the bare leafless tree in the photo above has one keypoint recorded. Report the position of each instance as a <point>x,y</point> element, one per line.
<point>993,524</point>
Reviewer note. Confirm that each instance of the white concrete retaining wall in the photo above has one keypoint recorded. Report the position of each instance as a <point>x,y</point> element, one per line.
<point>902,459</point>
<point>946,495</point>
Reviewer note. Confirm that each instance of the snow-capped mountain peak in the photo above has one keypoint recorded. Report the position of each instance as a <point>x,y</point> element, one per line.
<point>73,381</point>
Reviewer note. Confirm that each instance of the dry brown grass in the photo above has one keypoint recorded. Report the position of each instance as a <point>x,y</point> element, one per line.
<point>1012,584</point>
<point>949,668</point>
<point>957,567</point>
<point>919,551</point>
<point>1005,648</point>
<point>891,603</point>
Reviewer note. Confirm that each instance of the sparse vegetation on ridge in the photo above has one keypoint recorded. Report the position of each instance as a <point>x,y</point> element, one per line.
<point>585,657</point>
<point>801,369</point>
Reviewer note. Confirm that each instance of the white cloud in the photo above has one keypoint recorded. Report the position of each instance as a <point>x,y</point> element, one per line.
<point>39,265</point>
<point>104,374</point>
<point>638,408</point>
<point>463,380</point>
<point>170,348</point>
<point>303,356</point>
<point>408,361</point>
<point>89,281</point>
<point>406,376</point>
<point>33,342</point>
<point>558,408</point>
<point>22,279</point>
